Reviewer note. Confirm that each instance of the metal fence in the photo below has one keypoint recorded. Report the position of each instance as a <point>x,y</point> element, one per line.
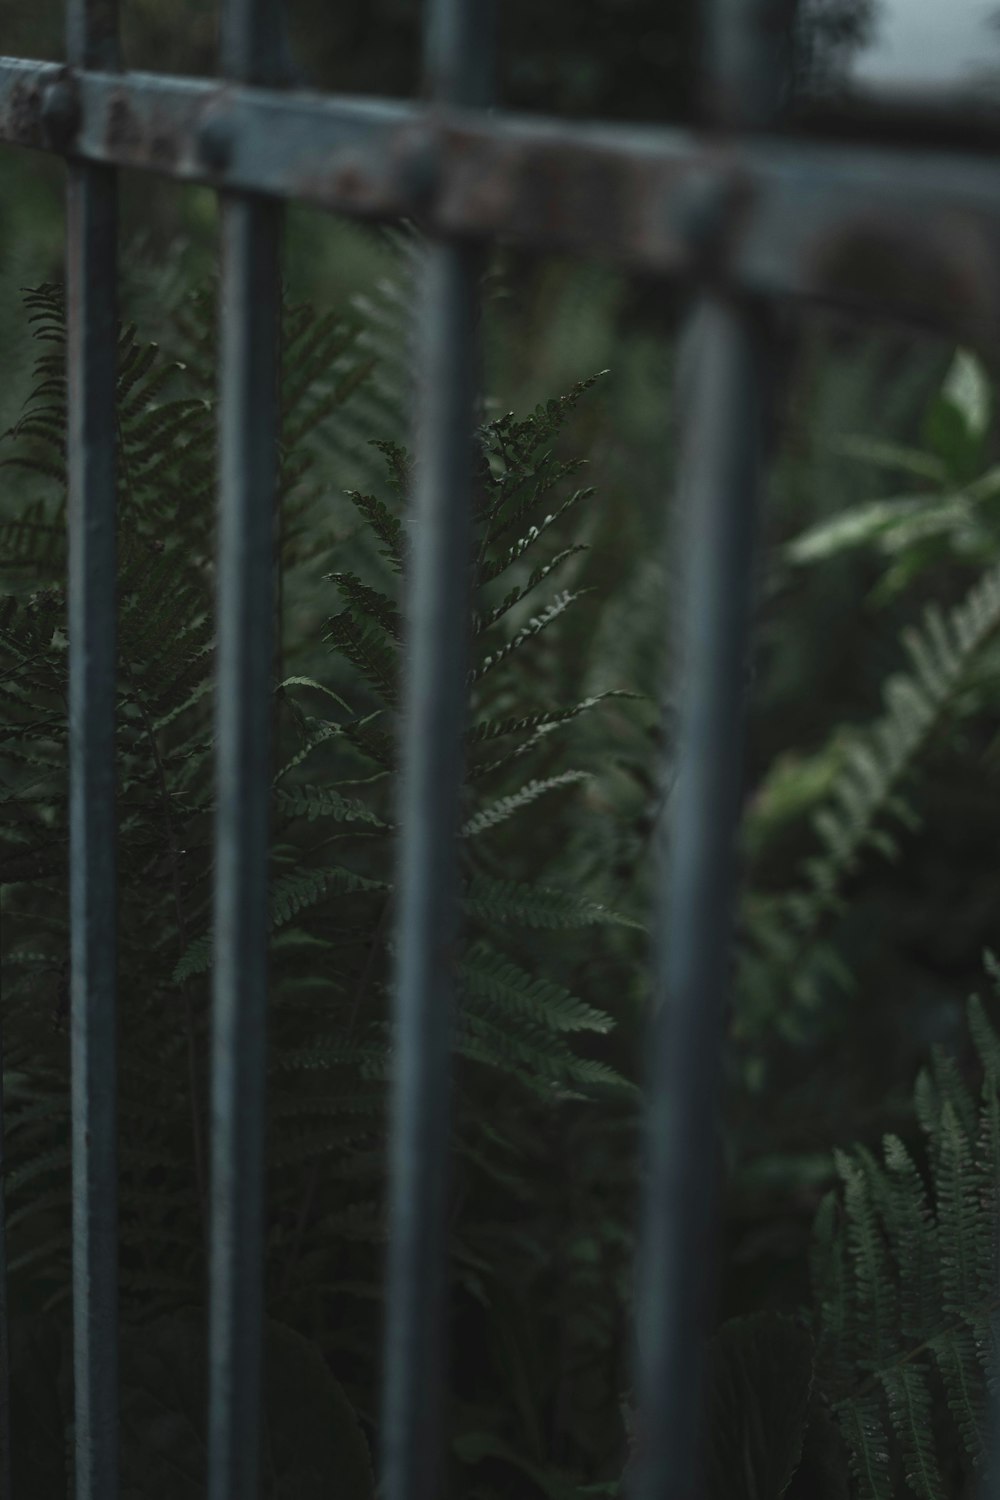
<point>749,219</point>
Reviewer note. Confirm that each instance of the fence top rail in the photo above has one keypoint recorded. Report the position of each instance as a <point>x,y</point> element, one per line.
<point>891,232</point>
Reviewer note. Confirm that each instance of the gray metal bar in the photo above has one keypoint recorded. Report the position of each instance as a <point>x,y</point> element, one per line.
<point>434,713</point>
<point>91,274</point>
<point>722,398</point>
<point>248,457</point>
<point>91,261</point>
<point>947,119</point>
<point>893,233</point>
<point>720,465</point>
<point>458,66</point>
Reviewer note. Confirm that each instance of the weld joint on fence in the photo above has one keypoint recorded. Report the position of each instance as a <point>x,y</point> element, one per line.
<point>60,111</point>
<point>708,209</point>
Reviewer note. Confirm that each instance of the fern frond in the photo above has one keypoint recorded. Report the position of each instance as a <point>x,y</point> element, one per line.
<point>508,807</point>
<point>861,1421</point>
<point>530,730</point>
<point>492,980</point>
<point>909,1402</point>
<point>499,902</point>
<point>494,567</point>
<point>314,802</point>
<point>492,617</point>
<point>367,649</point>
<point>919,1302</point>
<point>377,606</point>
<point>875,1285</point>
<point>384,524</point>
<point>529,632</point>
<point>912,1235</point>
<point>958,1363</point>
<point>945,653</point>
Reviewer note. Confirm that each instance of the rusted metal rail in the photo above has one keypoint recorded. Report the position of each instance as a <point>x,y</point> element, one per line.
<point>880,229</point>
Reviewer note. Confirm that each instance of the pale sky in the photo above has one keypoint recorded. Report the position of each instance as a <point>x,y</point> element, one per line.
<point>932,41</point>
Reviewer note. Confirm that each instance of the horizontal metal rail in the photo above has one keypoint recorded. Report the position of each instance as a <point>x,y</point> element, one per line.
<point>887,232</point>
<point>944,119</point>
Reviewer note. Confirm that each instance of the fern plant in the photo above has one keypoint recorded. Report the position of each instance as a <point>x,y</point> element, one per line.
<point>907,1274</point>
<point>881,1387</point>
<point>867,798</point>
<point>333,806</point>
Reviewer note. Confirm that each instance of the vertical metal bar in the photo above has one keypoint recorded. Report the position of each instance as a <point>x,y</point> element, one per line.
<point>720,472</point>
<point>720,469</point>
<point>458,47</point>
<point>91,273</point>
<point>248,459</point>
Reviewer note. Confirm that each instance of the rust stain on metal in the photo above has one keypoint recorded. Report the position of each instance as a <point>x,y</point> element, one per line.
<point>61,111</point>
<point>711,202</point>
<point>638,209</point>
<point>42,110</point>
<point>214,142</point>
<point>368,183</point>
<point>163,150</point>
<point>570,193</point>
<point>23,123</point>
<point>123,130</point>
<point>348,181</point>
<point>145,139</point>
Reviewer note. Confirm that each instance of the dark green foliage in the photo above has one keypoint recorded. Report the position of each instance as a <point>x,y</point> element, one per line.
<point>865,799</point>
<point>527,1041</point>
<point>758,1399</point>
<point>862,787</point>
<point>312,1444</point>
<point>876,1390</point>
<point>906,1268</point>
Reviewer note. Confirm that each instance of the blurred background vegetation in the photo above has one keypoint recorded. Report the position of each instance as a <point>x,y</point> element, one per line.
<point>881,505</point>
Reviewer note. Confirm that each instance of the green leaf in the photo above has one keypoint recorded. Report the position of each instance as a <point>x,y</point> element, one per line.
<point>893,456</point>
<point>967,388</point>
<point>856,527</point>
<point>311,1442</point>
<point>958,420</point>
<point>757,1390</point>
<point>312,1445</point>
<point>41,1407</point>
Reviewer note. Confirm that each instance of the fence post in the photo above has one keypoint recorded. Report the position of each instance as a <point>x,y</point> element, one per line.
<point>92,339</point>
<point>724,409</point>
<point>435,694</point>
<point>249,316</point>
